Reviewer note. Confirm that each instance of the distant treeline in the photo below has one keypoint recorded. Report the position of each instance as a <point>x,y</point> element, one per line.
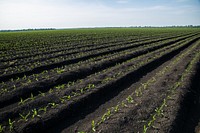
<point>173,26</point>
<point>27,30</point>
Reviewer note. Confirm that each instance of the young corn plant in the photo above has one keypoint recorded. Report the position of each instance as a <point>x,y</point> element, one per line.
<point>41,94</point>
<point>70,84</point>
<point>93,126</point>
<point>145,129</point>
<point>50,91</point>
<point>43,109</point>
<point>60,86</point>
<point>32,97</point>
<point>24,117</point>
<point>82,90</point>
<point>62,100</point>
<point>4,90</point>
<point>123,104</point>
<point>35,113</point>
<point>53,105</point>
<point>22,101</point>
<point>129,99</point>
<point>117,108</point>
<point>2,128</point>
<point>90,86</point>
<point>103,118</point>
<point>67,97</point>
<point>14,87</point>
<point>11,125</point>
<point>59,71</point>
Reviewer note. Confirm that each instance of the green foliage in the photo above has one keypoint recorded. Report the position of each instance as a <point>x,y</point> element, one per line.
<point>93,126</point>
<point>59,71</point>
<point>11,124</point>
<point>35,113</point>
<point>129,99</point>
<point>43,109</point>
<point>145,129</point>
<point>2,128</point>
<point>53,105</point>
<point>24,117</point>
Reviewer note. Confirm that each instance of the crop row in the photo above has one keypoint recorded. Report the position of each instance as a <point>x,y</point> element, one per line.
<point>94,88</point>
<point>61,42</point>
<point>132,98</point>
<point>76,73</point>
<point>57,48</point>
<point>63,60</point>
<point>24,59</point>
<point>35,40</point>
<point>180,83</point>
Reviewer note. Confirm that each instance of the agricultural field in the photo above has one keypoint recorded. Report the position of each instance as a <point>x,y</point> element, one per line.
<point>103,80</point>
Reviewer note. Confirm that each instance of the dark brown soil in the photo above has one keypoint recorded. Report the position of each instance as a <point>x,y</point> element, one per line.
<point>133,118</point>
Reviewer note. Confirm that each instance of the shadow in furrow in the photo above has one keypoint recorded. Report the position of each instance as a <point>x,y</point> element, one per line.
<point>189,113</point>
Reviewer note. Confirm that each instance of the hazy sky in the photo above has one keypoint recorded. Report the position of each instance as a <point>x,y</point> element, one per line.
<point>20,14</point>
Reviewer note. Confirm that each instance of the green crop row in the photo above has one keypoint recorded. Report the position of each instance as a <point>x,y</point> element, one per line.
<point>184,76</point>
<point>138,93</point>
<point>89,87</point>
<point>95,60</point>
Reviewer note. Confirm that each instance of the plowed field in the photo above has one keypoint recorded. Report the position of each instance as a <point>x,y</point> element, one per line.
<point>106,80</point>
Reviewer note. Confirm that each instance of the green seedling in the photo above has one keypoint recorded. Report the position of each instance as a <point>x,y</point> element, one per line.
<point>53,105</point>
<point>17,79</point>
<point>70,84</point>
<point>2,128</point>
<point>29,81</point>
<point>11,124</point>
<point>24,77</point>
<point>103,118</point>
<point>32,97</point>
<point>51,90</point>
<point>93,126</point>
<point>59,71</point>
<point>14,87</point>
<point>36,79</point>
<point>75,94</point>
<point>67,97</point>
<point>159,111</point>
<point>60,86</point>
<point>145,129</point>
<point>123,104</point>
<point>4,90</point>
<point>24,117</point>
<point>90,86</point>
<point>62,100</point>
<point>138,92</point>
<point>35,113</point>
<point>117,108</point>
<point>21,101</point>
<point>108,113</point>
<point>82,90</point>
<point>129,99</point>
<point>43,109</point>
<point>41,94</point>
<point>144,85</point>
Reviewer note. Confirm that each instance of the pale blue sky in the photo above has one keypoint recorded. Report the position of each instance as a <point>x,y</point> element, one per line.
<point>21,14</point>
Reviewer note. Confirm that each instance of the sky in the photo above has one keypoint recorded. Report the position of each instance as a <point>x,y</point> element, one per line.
<point>24,14</point>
